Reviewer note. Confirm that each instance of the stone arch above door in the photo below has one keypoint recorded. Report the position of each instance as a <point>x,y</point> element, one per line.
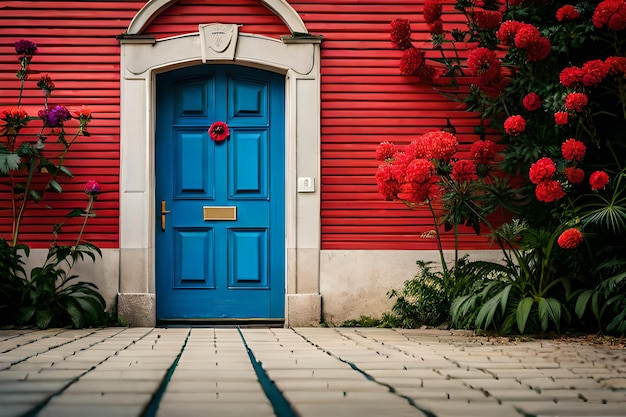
<point>142,57</point>
<point>154,7</point>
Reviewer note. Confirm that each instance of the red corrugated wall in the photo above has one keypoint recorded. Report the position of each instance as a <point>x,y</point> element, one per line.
<point>78,49</point>
<point>365,100</point>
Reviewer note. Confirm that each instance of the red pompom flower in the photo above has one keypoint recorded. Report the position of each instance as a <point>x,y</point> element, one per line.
<point>464,171</point>
<point>576,101</point>
<point>483,151</point>
<point>574,175</point>
<point>401,34</point>
<point>432,10</point>
<point>570,238</point>
<point>219,131</point>
<point>598,180</point>
<point>549,191</point>
<point>487,19</point>
<point>573,150</point>
<point>531,101</point>
<point>561,118</point>
<point>542,170</point>
<point>385,150</point>
<point>514,125</point>
<point>567,13</point>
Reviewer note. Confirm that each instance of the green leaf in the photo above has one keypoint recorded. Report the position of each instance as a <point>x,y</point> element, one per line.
<point>75,213</point>
<point>581,302</point>
<point>75,314</point>
<point>549,309</point>
<point>523,311</point>
<point>55,186</point>
<point>485,315</point>
<point>26,314</point>
<point>66,171</point>
<point>44,317</point>
<point>34,195</point>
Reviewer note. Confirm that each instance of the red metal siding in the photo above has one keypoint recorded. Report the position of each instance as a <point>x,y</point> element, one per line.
<point>364,101</point>
<point>78,49</point>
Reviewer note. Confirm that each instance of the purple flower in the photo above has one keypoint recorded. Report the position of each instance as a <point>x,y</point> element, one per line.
<point>54,117</point>
<point>93,188</point>
<point>25,47</point>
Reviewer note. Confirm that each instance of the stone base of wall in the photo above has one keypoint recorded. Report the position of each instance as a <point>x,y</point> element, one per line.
<point>303,310</point>
<point>354,283</point>
<point>138,309</point>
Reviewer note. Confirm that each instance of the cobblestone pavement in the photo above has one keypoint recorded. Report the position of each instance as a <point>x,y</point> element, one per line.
<point>307,372</point>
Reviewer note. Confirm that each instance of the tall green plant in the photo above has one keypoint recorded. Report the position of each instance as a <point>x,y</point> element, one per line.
<point>525,293</point>
<point>47,295</point>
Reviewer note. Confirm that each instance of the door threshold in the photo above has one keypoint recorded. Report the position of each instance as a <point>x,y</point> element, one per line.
<point>228,323</point>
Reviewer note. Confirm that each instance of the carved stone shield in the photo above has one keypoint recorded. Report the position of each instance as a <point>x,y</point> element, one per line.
<point>218,41</point>
<point>219,37</point>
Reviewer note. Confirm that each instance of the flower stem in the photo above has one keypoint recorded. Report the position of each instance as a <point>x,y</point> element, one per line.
<point>31,172</point>
<point>444,266</point>
<point>87,212</point>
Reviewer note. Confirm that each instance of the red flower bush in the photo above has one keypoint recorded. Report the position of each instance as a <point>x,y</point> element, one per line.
<point>616,65</point>
<point>436,28</point>
<point>567,13</point>
<point>611,14</point>
<point>412,60</point>
<point>401,34</point>
<point>542,170</point>
<point>419,171</point>
<point>386,150</point>
<point>484,63</point>
<point>483,151</point>
<point>573,150</point>
<point>574,175</point>
<point>514,125</point>
<point>464,171</point>
<point>487,19</point>
<point>435,145</point>
<point>531,101</point>
<point>571,77</point>
<point>417,193</point>
<point>388,186</point>
<point>570,238</point>
<point>576,101</point>
<point>549,191</point>
<point>539,50</point>
<point>508,30</point>
<point>598,180</point>
<point>526,35</point>
<point>432,10</point>
<point>561,118</point>
<point>594,72</point>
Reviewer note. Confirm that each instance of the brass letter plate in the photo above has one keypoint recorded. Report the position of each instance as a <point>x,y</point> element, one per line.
<point>220,213</point>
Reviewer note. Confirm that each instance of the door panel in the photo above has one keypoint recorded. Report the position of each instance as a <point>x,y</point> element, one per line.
<point>233,267</point>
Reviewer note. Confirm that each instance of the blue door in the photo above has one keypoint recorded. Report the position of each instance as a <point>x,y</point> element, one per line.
<point>220,232</point>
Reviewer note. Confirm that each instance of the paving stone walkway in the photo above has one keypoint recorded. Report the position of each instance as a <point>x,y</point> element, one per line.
<point>306,372</point>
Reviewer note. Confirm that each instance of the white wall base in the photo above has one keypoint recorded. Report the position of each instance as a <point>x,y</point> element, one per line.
<point>355,282</point>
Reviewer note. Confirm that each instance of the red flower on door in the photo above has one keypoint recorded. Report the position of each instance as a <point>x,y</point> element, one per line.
<point>219,131</point>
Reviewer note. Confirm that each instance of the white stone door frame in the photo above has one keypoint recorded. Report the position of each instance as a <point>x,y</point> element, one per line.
<point>297,56</point>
